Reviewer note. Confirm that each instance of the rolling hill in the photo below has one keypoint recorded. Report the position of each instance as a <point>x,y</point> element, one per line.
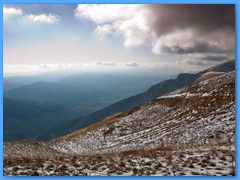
<point>85,93</point>
<point>200,113</point>
<point>187,132</point>
<point>155,91</point>
<point>26,120</point>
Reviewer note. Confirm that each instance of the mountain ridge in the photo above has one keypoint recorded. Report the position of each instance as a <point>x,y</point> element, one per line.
<point>159,89</point>
<point>189,131</point>
<point>86,93</point>
<point>207,116</point>
<point>26,120</point>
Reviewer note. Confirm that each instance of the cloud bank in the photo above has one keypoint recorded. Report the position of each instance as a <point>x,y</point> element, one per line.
<point>170,29</point>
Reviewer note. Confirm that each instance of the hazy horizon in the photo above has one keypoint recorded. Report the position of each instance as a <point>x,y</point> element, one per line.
<point>123,38</point>
<point>119,90</point>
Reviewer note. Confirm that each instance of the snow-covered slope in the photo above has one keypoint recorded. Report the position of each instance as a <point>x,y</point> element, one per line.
<point>199,114</point>
<point>190,131</point>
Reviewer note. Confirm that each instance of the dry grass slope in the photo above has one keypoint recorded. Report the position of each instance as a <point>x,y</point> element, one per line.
<point>189,132</point>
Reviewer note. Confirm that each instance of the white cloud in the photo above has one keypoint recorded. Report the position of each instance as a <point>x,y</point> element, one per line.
<point>189,41</point>
<point>105,12</point>
<point>10,12</point>
<point>77,66</point>
<point>132,64</point>
<point>167,28</point>
<point>43,18</point>
<point>129,20</point>
<point>158,65</point>
<point>104,63</point>
<point>102,30</point>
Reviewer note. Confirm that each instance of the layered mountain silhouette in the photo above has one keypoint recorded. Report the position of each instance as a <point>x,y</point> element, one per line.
<point>26,120</point>
<point>32,108</point>
<point>85,93</point>
<point>186,132</point>
<point>46,110</point>
<point>155,91</point>
<point>201,113</point>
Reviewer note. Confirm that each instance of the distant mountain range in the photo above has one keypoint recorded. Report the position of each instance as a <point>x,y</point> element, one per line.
<point>26,120</point>
<point>155,91</point>
<point>189,131</point>
<point>123,105</point>
<point>84,93</point>
<point>198,114</point>
<point>32,108</point>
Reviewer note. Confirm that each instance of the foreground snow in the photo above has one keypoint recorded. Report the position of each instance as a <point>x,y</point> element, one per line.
<point>164,160</point>
<point>190,131</point>
<point>200,113</point>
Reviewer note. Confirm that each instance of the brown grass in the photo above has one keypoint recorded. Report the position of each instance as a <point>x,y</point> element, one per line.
<point>108,120</point>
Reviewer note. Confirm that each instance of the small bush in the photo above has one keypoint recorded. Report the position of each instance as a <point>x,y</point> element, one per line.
<point>195,173</point>
<point>191,166</point>
<point>223,158</point>
<point>212,164</point>
<point>205,161</point>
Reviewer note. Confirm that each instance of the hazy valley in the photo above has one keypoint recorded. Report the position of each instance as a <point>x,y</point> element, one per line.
<point>179,126</point>
<point>42,105</point>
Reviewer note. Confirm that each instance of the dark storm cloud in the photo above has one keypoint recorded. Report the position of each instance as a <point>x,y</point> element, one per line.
<point>202,18</point>
<point>198,47</point>
<point>215,58</point>
<point>179,29</point>
<point>205,59</point>
<point>189,29</point>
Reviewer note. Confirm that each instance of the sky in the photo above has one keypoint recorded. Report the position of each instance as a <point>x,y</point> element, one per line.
<point>127,38</point>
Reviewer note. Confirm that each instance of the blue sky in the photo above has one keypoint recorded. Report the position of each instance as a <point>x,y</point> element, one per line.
<point>149,39</point>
